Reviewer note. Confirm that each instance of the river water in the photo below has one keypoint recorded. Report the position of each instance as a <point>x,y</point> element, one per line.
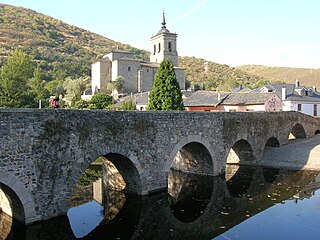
<point>246,203</point>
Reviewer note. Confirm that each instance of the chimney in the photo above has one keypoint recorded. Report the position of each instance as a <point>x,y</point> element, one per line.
<point>284,93</point>
<point>219,96</point>
<point>297,83</point>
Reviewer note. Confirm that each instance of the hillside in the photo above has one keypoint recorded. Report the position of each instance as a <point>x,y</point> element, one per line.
<point>307,77</point>
<point>59,48</point>
<point>213,74</point>
<point>63,50</point>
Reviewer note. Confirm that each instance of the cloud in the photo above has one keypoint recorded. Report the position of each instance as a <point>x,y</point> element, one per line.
<point>189,11</point>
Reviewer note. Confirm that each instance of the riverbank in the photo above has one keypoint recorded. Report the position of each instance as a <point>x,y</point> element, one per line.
<point>297,154</point>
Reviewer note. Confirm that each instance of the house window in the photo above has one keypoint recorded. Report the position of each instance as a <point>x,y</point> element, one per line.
<point>154,49</point>
<point>159,47</point>
<point>147,70</point>
<point>129,69</point>
<point>299,107</point>
<point>169,46</point>
<point>315,110</point>
<point>307,93</point>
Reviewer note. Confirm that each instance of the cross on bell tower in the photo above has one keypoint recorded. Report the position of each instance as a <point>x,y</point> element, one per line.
<point>164,45</point>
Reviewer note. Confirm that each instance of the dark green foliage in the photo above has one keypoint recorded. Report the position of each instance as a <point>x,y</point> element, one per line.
<point>101,101</point>
<point>165,93</point>
<point>89,176</point>
<point>14,77</point>
<point>82,104</point>
<point>37,87</point>
<point>128,105</point>
<point>55,87</point>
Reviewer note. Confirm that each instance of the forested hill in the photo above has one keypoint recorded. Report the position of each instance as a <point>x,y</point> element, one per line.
<point>63,50</point>
<point>60,49</point>
<point>308,77</point>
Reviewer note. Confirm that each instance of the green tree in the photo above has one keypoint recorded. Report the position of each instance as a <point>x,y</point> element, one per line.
<point>101,101</point>
<point>14,76</point>
<point>73,89</point>
<point>117,84</point>
<point>165,93</point>
<point>37,87</point>
<point>55,87</point>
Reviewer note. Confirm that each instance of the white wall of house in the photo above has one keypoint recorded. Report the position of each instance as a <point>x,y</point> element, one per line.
<point>289,106</point>
<point>242,108</point>
<point>95,69</point>
<point>306,107</point>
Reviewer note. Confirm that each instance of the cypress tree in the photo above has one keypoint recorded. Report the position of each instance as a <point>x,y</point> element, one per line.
<point>166,93</point>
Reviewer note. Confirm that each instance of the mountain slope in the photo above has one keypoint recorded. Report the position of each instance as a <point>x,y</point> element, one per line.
<point>56,45</point>
<point>307,77</point>
<point>63,50</point>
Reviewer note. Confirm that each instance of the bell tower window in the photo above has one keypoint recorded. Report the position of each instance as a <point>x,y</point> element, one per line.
<point>159,47</point>
<point>169,46</point>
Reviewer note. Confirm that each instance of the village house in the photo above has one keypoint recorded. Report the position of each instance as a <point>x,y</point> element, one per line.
<point>203,100</point>
<point>250,102</point>
<point>296,97</point>
<point>232,102</point>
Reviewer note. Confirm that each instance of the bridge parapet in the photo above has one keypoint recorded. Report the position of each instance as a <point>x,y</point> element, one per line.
<point>47,150</point>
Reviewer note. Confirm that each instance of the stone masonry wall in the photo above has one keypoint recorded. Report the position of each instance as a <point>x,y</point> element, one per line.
<point>48,149</point>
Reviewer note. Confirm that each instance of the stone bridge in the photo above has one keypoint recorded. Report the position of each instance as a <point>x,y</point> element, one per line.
<point>44,152</point>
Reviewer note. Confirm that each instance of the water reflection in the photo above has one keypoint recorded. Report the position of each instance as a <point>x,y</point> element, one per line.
<point>187,190</point>
<point>195,207</point>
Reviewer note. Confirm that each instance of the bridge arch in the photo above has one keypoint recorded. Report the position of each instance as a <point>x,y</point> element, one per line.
<point>16,199</point>
<point>240,153</point>
<point>272,142</point>
<point>192,154</point>
<point>125,162</point>
<point>127,170</point>
<point>297,131</point>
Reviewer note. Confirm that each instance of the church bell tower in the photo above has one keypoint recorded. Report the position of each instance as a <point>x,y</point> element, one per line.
<point>164,45</point>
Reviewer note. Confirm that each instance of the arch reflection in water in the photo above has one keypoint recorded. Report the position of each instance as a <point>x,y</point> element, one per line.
<point>238,179</point>
<point>151,217</point>
<point>102,182</point>
<point>189,194</point>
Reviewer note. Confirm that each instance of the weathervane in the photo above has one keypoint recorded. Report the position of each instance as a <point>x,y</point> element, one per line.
<point>163,20</point>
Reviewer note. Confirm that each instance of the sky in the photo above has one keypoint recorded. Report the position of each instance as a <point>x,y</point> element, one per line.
<point>233,32</point>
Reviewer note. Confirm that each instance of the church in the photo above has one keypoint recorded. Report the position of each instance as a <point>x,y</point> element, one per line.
<point>138,75</point>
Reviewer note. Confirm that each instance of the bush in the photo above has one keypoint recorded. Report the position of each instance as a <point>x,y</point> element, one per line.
<point>129,105</point>
<point>101,101</point>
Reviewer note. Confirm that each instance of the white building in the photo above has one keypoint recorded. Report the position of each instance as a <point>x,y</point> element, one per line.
<point>296,98</point>
<point>138,75</point>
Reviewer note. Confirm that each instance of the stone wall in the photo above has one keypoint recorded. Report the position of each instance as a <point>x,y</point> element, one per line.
<point>44,152</point>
